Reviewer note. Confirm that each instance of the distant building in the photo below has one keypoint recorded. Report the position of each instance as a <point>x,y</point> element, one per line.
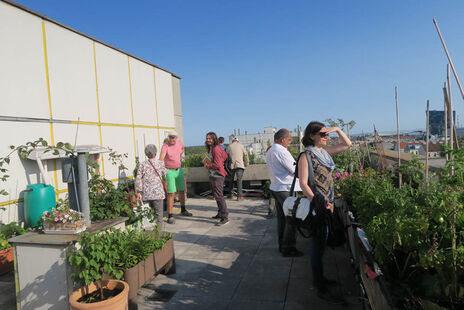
<point>434,150</point>
<point>402,146</point>
<point>459,132</point>
<point>257,143</point>
<point>412,148</point>
<point>437,122</point>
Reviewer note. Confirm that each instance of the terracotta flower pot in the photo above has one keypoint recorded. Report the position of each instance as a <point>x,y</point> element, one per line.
<point>118,302</point>
<point>6,260</point>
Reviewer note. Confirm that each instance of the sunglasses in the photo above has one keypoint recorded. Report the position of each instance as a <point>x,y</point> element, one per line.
<point>323,134</point>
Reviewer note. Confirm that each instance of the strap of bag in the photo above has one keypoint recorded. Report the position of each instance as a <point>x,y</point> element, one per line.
<point>312,183</point>
<point>157,173</point>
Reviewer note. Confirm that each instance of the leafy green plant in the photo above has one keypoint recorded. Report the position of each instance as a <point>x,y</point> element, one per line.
<point>417,232</point>
<point>194,160</point>
<point>98,254</point>
<point>8,231</point>
<point>110,251</point>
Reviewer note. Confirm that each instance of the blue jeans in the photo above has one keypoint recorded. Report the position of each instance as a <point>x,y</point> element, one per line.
<point>317,263</point>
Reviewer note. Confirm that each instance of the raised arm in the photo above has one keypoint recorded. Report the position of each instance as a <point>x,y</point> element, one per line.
<point>303,177</point>
<point>344,144</point>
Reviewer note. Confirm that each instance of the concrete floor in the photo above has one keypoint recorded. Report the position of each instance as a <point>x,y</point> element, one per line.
<point>238,266</point>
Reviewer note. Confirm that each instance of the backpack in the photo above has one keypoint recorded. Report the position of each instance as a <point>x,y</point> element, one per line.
<point>228,164</point>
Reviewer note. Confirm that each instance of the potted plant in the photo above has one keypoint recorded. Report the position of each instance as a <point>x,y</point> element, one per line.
<point>6,250</point>
<point>94,263</point>
<point>62,219</point>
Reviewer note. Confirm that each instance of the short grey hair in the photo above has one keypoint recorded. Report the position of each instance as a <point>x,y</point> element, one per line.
<point>151,150</point>
<point>281,133</point>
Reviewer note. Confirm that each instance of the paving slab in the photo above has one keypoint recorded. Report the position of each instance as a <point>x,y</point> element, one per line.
<point>238,266</point>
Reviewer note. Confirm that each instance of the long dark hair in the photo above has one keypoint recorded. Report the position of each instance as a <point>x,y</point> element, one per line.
<point>215,140</point>
<point>312,129</point>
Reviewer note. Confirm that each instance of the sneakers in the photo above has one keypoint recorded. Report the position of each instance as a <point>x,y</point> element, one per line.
<point>216,217</point>
<point>186,213</point>
<point>269,215</point>
<point>324,294</point>
<point>291,252</point>
<point>171,220</point>
<point>222,222</point>
<point>239,198</point>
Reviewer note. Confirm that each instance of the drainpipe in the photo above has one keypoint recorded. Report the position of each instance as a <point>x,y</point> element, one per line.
<point>42,170</point>
<point>83,186</point>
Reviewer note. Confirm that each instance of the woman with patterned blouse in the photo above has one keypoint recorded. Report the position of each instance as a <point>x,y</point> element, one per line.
<point>149,184</point>
<point>315,141</point>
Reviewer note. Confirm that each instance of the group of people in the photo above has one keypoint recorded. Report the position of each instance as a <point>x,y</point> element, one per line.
<point>149,182</point>
<point>282,171</point>
<point>152,189</point>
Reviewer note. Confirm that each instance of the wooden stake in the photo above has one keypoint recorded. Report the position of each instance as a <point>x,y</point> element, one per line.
<point>367,147</point>
<point>427,150</point>
<point>398,136</point>
<point>445,112</point>
<point>450,107</point>
<point>449,59</point>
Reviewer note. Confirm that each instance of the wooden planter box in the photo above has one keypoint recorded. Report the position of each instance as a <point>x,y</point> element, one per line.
<point>162,260</point>
<point>374,284</point>
<point>6,260</point>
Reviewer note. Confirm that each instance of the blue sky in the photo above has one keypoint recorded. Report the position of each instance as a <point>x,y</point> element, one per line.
<point>250,64</point>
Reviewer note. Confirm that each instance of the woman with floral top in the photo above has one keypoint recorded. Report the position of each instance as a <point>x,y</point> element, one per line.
<point>149,184</point>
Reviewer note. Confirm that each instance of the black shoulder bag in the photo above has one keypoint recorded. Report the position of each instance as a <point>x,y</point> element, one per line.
<point>312,223</point>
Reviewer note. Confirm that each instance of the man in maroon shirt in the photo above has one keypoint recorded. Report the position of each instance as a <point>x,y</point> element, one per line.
<point>217,175</point>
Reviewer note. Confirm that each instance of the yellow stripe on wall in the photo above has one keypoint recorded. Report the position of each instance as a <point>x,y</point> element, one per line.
<point>98,106</point>
<point>132,106</point>
<point>156,108</point>
<point>6,203</point>
<point>120,125</point>
<point>61,191</point>
<point>47,75</point>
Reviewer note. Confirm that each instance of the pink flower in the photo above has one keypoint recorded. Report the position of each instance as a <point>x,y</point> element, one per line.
<point>64,221</point>
<point>56,219</point>
<point>337,175</point>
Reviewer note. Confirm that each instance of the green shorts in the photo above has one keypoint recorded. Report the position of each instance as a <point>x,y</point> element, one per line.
<point>175,180</point>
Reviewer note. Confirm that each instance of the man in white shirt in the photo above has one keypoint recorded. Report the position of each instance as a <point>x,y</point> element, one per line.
<point>281,166</point>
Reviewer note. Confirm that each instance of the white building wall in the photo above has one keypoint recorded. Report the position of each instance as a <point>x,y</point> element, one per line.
<point>51,72</point>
